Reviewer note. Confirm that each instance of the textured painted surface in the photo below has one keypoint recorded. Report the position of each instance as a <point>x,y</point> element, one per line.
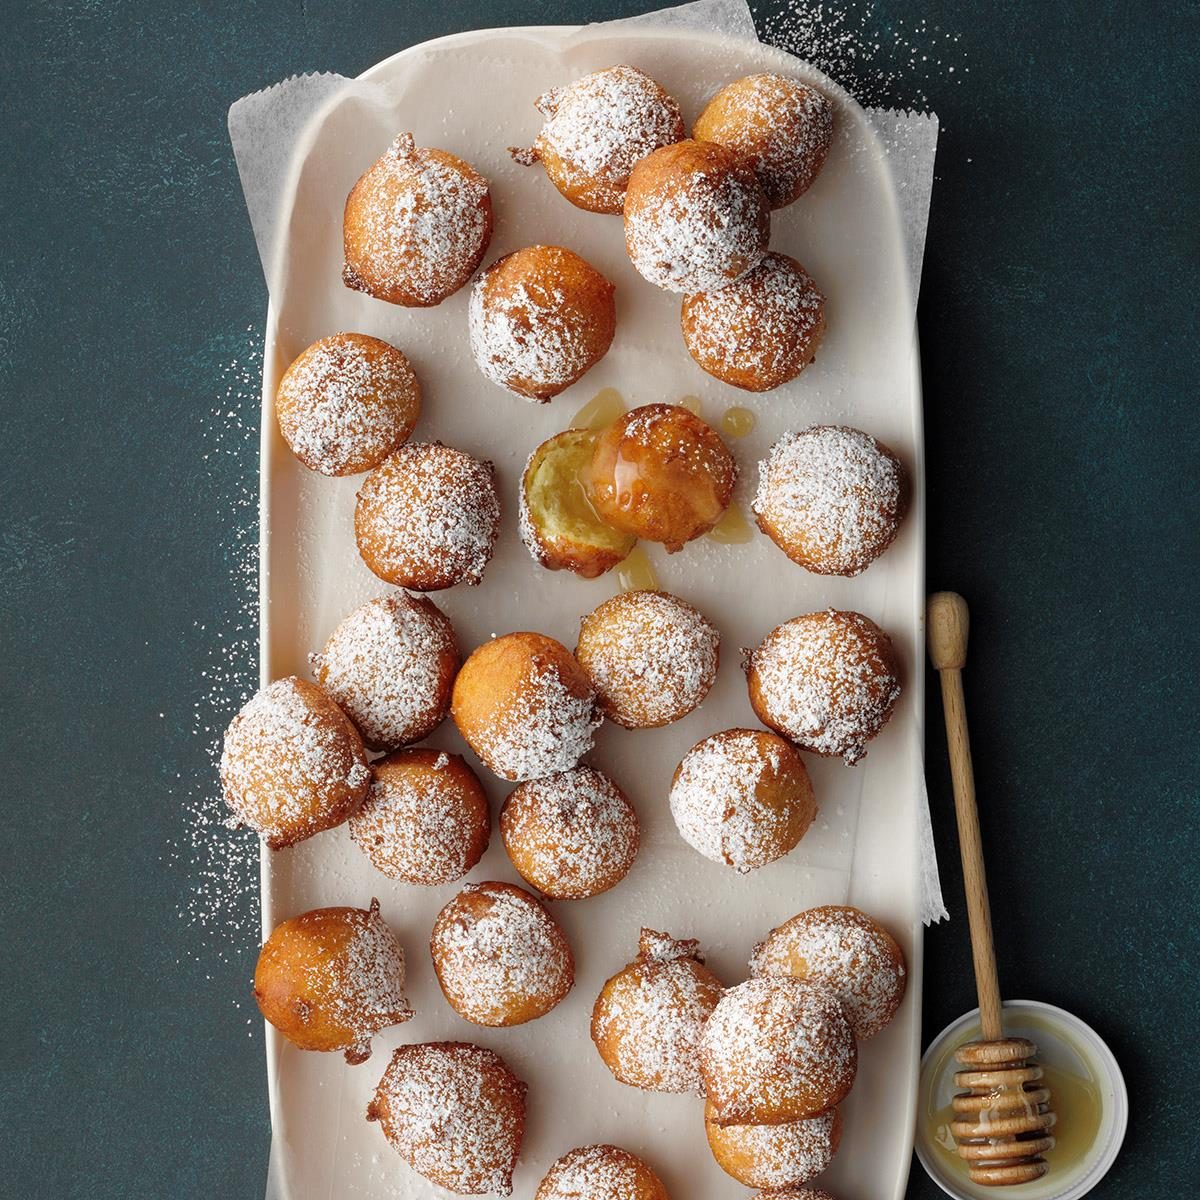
<point>1059,329</point>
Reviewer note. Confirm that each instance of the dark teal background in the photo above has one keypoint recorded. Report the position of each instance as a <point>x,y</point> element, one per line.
<point>1059,331</point>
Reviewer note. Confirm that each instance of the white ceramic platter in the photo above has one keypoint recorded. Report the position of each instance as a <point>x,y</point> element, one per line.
<point>473,94</point>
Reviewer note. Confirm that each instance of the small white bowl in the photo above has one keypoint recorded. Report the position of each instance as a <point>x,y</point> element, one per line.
<point>1063,1041</point>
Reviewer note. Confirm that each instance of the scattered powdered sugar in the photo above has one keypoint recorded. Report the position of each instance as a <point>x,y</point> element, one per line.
<point>428,516</point>
<point>696,225</point>
<point>292,762</point>
<point>847,951</point>
<point>651,657</point>
<point>455,1113</point>
<point>599,126</point>
<point>575,832</point>
<point>827,681</point>
<point>423,223</point>
<point>649,1017</point>
<point>832,497</point>
<point>390,665</point>
<point>596,1173</point>
<point>764,324</point>
<point>497,950</point>
<point>728,800</point>
<point>781,1156</point>
<point>777,1045</point>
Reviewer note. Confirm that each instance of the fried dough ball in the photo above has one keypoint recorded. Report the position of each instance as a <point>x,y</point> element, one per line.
<point>759,332</point>
<point>427,517</point>
<point>661,473</point>
<point>558,522</point>
<point>600,1173</point>
<point>696,218</point>
<point>743,798</point>
<point>831,498</point>
<point>781,126</point>
<point>425,819</point>
<point>570,835</point>
<point>524,705</point>
<point>391,664</point>
<point>827,681</point>
<point>416,226</point>
<point>500,957</point>
<point>648,1018</point>
<point>794,1194</point>
<point>292,763</point>
<point>776,1050</point>
<point>775,1156</point>
<point>847,951</point>
<point>346,403</point>
<point>539,319</point>
<point>596,129</point>
<point>455,1113</point>
<point>651,657</point>
<point>331,979</point>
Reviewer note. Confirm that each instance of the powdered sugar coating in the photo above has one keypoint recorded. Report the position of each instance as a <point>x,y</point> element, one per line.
<point>416,225</point>
<point>695,217</point>
<point>456,1114</point>
<point>848,952</point>
<point>651,657</point>
<point>570,835</point>
<point>425,820</point>
<point>391,664</point>
<point>597,128</point>
<point>539,319</point>
<point>783,126</point>
<point>500,957</point>
<point>832,498</point>
<point>827,681</point>
<point>427,517</point>
<point>346,403</point>
<point>292,763</point>
<point>648,1018</point>
<point>774,1050</point>
<point>759,332</point>
<point>776,1156</point>
<point>600,1173</point>
<point>742,798</point>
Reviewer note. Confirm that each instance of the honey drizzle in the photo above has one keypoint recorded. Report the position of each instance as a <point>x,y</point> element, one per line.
<point>636,572</point>
<point>600,411</point>
<point>691,403</point>
<point>737,422</point>
<point>732,528</point>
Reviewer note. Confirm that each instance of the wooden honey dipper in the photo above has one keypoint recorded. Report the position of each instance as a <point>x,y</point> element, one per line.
<point>1003,1119</point>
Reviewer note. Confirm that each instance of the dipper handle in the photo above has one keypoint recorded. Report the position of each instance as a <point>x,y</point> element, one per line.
<point>947,623</point>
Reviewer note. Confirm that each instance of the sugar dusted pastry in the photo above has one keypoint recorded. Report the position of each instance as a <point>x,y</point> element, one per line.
<point>827,681</point>
<point>742,798</point>
<point>570,835</point>
<point>331,979</point>
<point>847,951</point>
<point>558,523</point>
<point>775,1156</point>
<point>648,1018</point>
<point>760,332</point>
<point>600,1173</point>
<point>455,1113</point>
<point>425,819</point>
<point>416,225</point>
<point>831,498</point>
<point>661,473</point>
<point>540,318</point>
<point>524,706</point>
<point>427,517</point>
<point>346,403</point>
<point>651,657</point>
<point>596,129</point>
<point>390,665</point>
<point>500,958</point>
<point>696,218</point>
<point>776,1050</point>
<point>292,763</point>
<point>780,125</point>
